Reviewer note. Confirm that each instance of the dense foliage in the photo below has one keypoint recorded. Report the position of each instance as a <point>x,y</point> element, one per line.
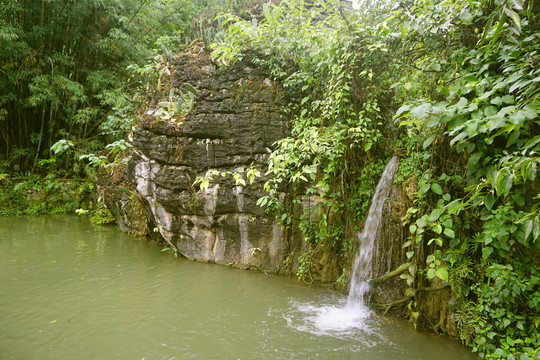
<point>451,86</point>
<point>462,79</point>
<point>478,195</point>
<point>71,78</point>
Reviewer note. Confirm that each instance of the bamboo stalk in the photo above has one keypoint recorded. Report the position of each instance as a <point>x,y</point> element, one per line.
<point>40,139</point>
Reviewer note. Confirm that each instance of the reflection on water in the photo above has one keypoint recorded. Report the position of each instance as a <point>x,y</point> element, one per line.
<point>71,291</point>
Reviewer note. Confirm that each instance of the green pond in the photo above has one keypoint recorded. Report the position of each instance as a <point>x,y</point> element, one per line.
<point>69,290</point>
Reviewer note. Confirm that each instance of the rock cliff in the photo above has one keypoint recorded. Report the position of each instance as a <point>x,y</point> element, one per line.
<point>236,116</point>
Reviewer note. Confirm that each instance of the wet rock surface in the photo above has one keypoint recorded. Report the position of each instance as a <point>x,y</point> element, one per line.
<point>432,296</point>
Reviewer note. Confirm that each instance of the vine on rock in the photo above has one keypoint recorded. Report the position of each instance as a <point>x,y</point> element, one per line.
<point>326,62</point>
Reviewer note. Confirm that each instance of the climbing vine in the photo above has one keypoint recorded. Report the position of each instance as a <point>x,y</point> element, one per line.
<point>325,60</point>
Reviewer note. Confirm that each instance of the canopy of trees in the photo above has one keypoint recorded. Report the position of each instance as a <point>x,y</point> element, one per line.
<point>67,68</point>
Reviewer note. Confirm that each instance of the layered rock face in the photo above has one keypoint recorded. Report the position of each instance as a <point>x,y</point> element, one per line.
<point>236,117</point>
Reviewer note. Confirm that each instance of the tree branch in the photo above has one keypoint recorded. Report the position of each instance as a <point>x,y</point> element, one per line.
<point>394,303</point>
<point>432,289</point>
<point>392,274</point>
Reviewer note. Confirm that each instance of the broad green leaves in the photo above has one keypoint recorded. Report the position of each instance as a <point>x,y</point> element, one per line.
<point>483,217</point>
<point>463,80</point>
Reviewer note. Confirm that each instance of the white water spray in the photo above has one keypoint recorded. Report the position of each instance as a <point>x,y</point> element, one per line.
<point>359,287</point>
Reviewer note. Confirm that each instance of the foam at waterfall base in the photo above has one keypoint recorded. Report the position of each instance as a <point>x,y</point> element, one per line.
<point>331,318</point>
<point>334,317</point>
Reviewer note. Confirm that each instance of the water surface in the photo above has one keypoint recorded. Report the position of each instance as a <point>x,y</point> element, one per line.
<point>72,291</point>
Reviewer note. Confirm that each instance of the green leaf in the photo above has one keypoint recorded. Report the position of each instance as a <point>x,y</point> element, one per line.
<point>422,222</point>
<point>504,183</point>
<point>455,206</point>
<point>514,135</point>
<point>448,222</point>
<point>456,122</point>
<point>435,214</point>
<point>489,200</point>
<point>428,141</point>
<point>436,188</point>
<point>515,17</point>
<point>496,101</point>
<point>462,103</point>
<point>442,273</point>
<point>528,229</point>
<point>491,110</point>
<point>530,172</point>
<point>421,111</point>
<point>450,233</point>
<point>533,142</point>
<point>262,201</point>
<point>473,160</point>
<point>402,109</point>
<point>465,17</point>
<point>190,88</point>
<point>433,121</point>
<point>500,26</point>
<point>460,136</point>
<point>487,30</point>
<point>508,99</point>
<point>423,189</point>
<point>179,105</point>
<point>204,184</point>
<point>486,251</point>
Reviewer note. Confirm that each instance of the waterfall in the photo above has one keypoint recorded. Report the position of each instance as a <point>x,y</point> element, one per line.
<point>350,318</point>
<point>359,286</point>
